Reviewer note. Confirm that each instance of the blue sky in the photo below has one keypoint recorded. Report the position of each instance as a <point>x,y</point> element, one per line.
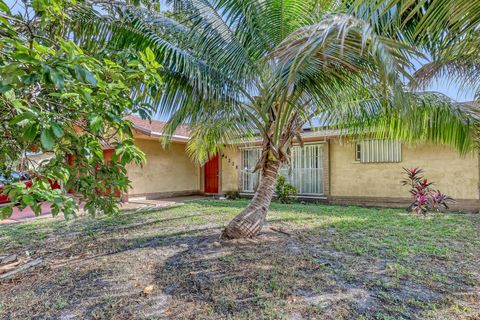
<point>452,90</point>
<point>442,85</point>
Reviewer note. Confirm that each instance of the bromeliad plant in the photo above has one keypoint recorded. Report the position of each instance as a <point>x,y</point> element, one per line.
<point>425,198</point>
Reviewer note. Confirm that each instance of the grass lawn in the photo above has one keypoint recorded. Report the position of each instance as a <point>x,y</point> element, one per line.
<point>334,263</point>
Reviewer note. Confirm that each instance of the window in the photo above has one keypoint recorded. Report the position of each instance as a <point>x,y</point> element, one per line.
<point>305,171</point>
<point>378,151</point>
<point>358,151</point>
<point>249,160</point>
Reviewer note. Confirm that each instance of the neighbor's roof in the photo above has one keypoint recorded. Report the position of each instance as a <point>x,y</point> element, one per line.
<point>154,128</point>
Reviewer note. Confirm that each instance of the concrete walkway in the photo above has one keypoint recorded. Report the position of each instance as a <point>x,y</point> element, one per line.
<point>161,203</point>
<point>133,204</point>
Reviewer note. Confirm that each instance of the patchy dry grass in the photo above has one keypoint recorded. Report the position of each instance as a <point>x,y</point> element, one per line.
<point>337,263</point>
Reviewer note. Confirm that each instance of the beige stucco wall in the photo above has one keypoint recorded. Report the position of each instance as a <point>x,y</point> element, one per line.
<point>172,171</point>
<point>229,169</point>
<point>453,174</point>
<point>166,170</point>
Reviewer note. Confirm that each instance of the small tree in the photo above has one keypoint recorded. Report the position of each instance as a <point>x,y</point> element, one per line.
<point>425,198</point>
<point>235,69</point>
<point>284,191</point>
<point>56,97</point>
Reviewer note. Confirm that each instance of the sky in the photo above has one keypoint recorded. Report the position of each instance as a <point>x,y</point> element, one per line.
<point>442,85</point>
<point>451,90</point>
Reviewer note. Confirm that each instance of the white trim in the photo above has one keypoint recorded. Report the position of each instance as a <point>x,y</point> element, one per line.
<point>310,134</point>
<point>296,144</point>
<point>174,137</point>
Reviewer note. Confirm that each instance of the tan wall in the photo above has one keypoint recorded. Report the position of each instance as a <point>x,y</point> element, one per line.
<point>454,175</point>
<point>166,170</point>
<point>229,169</point>
<point>172,171</point>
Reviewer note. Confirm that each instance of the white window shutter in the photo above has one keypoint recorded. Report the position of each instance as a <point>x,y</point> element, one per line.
<point>378,151</point>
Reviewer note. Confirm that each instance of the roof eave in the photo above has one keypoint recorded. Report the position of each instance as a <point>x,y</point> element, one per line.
<point>156,134</point>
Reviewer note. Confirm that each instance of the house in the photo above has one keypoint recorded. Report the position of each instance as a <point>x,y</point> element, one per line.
<point>328,168</point>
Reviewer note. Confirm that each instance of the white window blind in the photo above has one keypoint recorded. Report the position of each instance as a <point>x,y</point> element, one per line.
<point>305,173</point>
<point>378,151</point>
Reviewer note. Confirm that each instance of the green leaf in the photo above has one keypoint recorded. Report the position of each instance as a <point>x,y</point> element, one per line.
<point>36,209</point>
<point>89,77</point>
<point>21,117</point>
<point>68,95</point>
<point>57,80</point>
<point>57,130</point>
<point>79,73</point>
<point>4,7</point>
<point>86,94</point>
<point>28,200</point>
<point>55,210</point>
<point>26,58</point>
<point>39,5</point>
<point>96,123</point>
<point>150,55</point>
<point>30,131</point>
<point>30,79</point>
<point>5,88</point>
<point>6,211</point>
<point>47,139</point>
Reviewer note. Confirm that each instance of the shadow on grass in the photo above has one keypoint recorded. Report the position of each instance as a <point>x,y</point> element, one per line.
<point>285,277</point>
<point>339,262</point>
<point>29,232</point>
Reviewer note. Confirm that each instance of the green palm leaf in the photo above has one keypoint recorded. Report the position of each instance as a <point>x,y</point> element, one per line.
<point>232,69</point>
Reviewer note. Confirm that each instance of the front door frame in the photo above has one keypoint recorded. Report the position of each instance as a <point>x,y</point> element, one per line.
<point>219,170</point>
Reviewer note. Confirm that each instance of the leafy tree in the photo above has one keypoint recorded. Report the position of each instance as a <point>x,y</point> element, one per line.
<point>237,69</point>
<point>58,98</point>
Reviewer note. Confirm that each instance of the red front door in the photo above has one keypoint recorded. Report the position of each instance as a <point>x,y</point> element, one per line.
<point>211,175</point>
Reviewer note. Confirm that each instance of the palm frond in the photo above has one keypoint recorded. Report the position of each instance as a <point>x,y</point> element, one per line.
<point>464,70</point>
<point>428,117</point>
<point>235,68</point>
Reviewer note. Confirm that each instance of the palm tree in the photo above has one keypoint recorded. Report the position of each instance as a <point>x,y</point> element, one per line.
<point>235,69</point>
<point>448,34</point>
<point>447,31</point>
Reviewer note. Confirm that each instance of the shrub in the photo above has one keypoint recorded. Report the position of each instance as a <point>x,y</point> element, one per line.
<point>232,195</point>
<point>284,191</point>
<point>424,197</point>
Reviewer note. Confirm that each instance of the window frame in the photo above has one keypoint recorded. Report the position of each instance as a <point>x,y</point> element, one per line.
<point>358,152</point>
<point>317,161</point>
<point>378,151</point>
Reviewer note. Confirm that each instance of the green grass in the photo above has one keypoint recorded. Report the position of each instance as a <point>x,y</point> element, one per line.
<point>339,262</point>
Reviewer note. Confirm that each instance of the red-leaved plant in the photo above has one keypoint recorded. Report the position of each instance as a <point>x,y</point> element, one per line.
<point>425,198</point>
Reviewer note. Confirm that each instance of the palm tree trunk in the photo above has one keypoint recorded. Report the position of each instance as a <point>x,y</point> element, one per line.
<point>250,221</point>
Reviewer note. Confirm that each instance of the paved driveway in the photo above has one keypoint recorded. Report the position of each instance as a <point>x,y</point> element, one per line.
<point>27,213</point>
